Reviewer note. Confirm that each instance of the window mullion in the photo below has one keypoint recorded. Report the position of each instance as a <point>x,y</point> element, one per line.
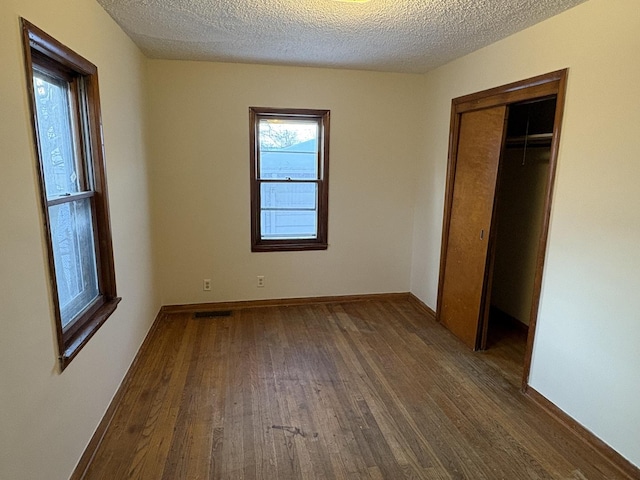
<point>70,197</point>
<point>289,180</point>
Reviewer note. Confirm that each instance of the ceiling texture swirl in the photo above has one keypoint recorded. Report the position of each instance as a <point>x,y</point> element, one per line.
<point>412,36</point>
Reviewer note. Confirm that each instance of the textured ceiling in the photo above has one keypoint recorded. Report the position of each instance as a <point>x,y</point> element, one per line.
<point>385,35</point>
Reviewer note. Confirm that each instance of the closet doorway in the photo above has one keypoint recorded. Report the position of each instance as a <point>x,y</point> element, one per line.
<point>502,157</point>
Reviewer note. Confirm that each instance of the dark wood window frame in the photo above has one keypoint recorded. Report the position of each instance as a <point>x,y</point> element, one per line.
<point>320,242</point>
<point>45,55</point>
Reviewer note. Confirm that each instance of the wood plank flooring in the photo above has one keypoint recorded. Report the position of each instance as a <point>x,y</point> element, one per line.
<point>356,390</point>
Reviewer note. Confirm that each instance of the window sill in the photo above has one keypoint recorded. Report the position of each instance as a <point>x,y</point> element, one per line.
<point>288,247</point>
<point>82,336</point>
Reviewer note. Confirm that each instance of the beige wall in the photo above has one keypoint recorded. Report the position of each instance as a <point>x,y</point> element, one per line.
<point>199,124</point>
<point>47,418</point>
<point>586,353</point>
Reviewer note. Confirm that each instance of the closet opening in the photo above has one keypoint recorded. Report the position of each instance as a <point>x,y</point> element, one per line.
<point>519,213</point>
<point>503,151</point>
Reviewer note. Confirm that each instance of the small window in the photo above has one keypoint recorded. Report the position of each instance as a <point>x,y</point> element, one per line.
<point>66,120</point>
<point>289,179</point>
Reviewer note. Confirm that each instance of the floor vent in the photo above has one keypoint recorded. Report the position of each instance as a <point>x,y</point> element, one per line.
<point>215,313</point>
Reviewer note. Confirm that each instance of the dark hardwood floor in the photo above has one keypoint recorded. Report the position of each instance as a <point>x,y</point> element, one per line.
<point>357,390</point>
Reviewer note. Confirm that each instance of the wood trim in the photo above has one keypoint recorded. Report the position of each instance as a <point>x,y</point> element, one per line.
<point>608,454</point>
<point>320,242</point>
<point>289,245</point>
<point>541,86</point>
<point>44,43</point>
<point>253,173</point>
<point>544,231</point>
<point>28,52</point>
<point>92,447</point>
<point>44,53</point>
<point>454,133</point>
<point>82,335</point>
<point>281,302</point>
<point>422,306</point>
<point>288,112</point>
<point>105,259</point>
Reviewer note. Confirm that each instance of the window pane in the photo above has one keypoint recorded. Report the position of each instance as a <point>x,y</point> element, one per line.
<point>288,149</point>
<point>55,130</point>
<point>74,256</point>
<point>288,195</point>
<point>288,224</point>
<point>288,210</point>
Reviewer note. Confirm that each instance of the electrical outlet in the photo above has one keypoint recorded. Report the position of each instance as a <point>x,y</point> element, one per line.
<point>260,281</point>
<point>206,284</point>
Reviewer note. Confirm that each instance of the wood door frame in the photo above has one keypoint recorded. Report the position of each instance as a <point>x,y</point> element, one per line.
<point>552,84</point>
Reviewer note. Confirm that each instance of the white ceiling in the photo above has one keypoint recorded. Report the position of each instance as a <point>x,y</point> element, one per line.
<point>385,35</point>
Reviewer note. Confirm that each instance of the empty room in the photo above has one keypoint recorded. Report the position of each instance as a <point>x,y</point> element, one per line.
<point>320,239</point>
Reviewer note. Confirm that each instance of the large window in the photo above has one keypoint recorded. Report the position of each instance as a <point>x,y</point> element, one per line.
<point>66,119</point>
<point>289,179</point>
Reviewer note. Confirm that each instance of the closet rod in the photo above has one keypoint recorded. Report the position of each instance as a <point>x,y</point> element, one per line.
<point>537,139</point>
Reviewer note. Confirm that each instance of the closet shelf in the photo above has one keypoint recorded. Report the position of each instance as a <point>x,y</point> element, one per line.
<point>534,140</point>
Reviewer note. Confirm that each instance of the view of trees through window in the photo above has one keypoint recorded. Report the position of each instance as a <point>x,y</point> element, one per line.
<point>288,168</point>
